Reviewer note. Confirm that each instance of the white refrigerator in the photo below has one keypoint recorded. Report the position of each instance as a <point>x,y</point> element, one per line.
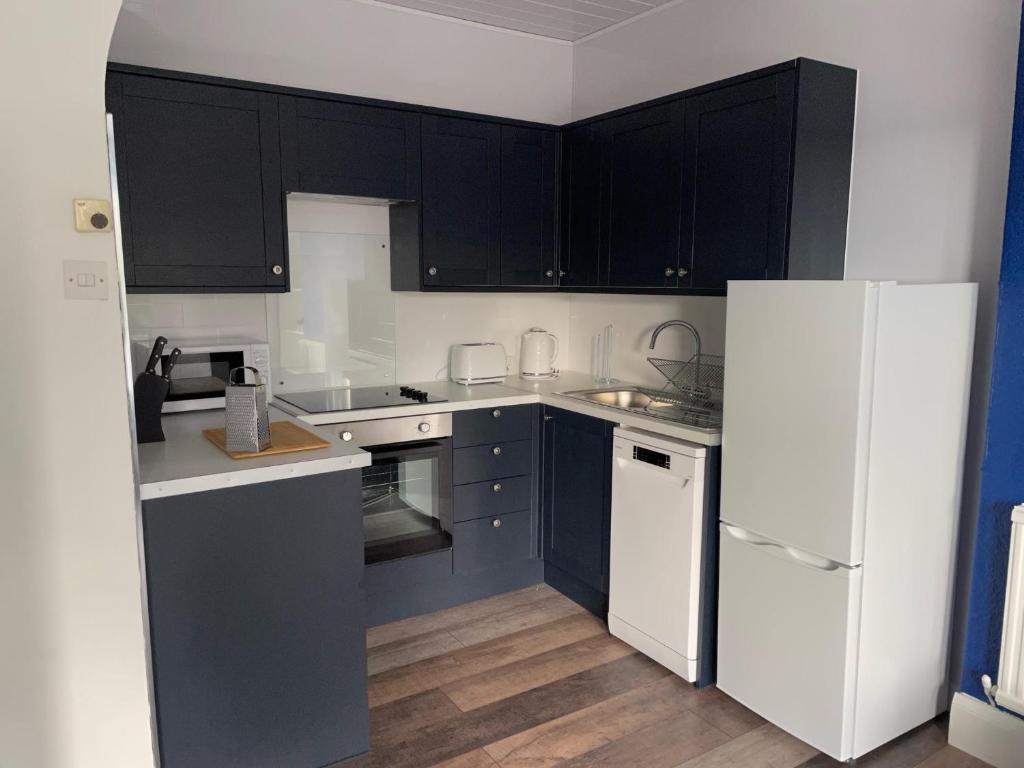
<point>845,411</point>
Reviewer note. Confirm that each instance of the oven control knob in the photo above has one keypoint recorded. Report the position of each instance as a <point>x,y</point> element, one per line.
<point>346,436</point>
<point>424,427</point>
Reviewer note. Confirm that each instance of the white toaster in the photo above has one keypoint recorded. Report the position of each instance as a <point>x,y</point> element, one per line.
<point>482,362</point>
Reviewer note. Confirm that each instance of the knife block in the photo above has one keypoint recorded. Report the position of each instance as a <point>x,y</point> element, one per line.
<point>150,393</point>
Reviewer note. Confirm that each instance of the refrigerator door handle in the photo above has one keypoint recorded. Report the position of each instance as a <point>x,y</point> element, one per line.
<point>806,558</point>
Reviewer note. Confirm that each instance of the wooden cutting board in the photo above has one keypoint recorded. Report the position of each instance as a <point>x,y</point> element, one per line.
<point>285,437</point>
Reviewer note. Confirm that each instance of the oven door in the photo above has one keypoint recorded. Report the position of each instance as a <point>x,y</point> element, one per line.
<point>407,500</point>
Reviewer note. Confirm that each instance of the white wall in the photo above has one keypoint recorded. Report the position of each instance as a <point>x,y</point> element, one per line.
<point>931,149</point>
<point>344,46</point>
<point>72,667</point>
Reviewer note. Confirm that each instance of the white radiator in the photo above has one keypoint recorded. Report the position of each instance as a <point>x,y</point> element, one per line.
<point>1010,684</point>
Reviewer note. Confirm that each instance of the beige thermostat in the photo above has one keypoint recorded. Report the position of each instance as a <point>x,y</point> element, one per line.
<point>92,215</point>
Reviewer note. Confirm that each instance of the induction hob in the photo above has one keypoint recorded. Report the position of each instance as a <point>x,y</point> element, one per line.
<point>357,399</point>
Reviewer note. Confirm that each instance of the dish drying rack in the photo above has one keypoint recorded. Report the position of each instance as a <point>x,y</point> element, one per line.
<point>695,384</point>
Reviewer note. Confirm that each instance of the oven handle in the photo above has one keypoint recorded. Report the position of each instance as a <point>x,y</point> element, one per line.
<point>413,449</point>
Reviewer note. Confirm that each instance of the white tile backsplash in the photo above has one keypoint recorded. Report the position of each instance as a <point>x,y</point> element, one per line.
<point>427,324</point>
<point>197,316</point>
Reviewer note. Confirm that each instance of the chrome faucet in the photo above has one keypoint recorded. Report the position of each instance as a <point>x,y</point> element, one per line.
<point>684,324</point>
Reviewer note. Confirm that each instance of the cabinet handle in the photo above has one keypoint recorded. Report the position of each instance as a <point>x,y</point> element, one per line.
<point>496,487</point>
<point>682,273</point>
<point>496,450</point>
<point>277,269</point>
<point>548,418</point>
<point>496,523</point>
<point>669,271</point>
<point>549,273</point>
<point>431,271</point>
<point>496,413</point>
<point>561,273</point>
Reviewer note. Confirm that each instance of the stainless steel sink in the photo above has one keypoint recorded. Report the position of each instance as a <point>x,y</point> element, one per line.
<point>652,403</point>
<point>629,399</point>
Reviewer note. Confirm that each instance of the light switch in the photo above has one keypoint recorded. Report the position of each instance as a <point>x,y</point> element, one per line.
<point>85,280</point>
<point>92,215</point>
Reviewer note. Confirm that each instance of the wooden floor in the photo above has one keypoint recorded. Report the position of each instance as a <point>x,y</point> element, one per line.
<point>530,680</point>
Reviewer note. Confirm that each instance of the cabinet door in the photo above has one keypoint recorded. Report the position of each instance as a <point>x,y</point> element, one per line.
<point>576,504</point>
<point>529,164</point>
<point>644,196</point>
<point>736,182</point>
<point>583,157</point>
<point>461,202</point>
<point>199,181</point>
<point>333,148</point>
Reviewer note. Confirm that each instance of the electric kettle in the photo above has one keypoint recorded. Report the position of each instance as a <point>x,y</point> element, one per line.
<point>537,355</point>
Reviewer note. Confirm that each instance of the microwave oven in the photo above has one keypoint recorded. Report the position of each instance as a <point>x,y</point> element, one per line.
<point>201,373</point>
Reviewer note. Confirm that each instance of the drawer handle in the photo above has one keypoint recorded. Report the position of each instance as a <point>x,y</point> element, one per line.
<point>496,523</point>
<point>496,413</point>
<point>496,450</point>
<point>496,487</point>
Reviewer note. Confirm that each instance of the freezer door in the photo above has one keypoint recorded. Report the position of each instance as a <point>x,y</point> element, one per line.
<point>787,635</point>
<point>799,360</point>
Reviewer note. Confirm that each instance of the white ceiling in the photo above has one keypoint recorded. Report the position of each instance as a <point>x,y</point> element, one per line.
<point>558,19</point>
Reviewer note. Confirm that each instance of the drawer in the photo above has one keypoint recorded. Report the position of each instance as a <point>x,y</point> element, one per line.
<point>487,462</point>
<point>492,541</point>
<point>492,497</point>
<point>492,425</point>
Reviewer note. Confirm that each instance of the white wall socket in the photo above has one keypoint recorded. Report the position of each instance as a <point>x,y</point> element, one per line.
<point>92,215</point>
<point>86,280</point>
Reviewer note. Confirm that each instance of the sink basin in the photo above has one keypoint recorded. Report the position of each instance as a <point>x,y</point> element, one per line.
<point>637,400</point>
<point>617,398</point>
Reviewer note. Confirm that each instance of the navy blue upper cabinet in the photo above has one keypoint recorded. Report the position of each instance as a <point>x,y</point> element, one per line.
<point>576,505</point>
<point>337,148</point>
<point>461,208</point>
<point>738,145</point>
<point>644,182</point>
<point>529,206</point>
<point>582,209</point>
<point>199,185</point>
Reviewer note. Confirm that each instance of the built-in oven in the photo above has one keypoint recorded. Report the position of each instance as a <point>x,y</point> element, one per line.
<point>407,490</point>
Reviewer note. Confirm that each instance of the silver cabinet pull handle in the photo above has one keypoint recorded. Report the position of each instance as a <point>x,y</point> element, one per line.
<point>496,413</point>
<point>431,271</point>
<point>496,450</point>
<point>496,523</point>
<point>561,273</point>
<point>669,271</point>
<point>549,273</point>
<point>682,273</point>
<point>497,487</point>
<point>277,269</point>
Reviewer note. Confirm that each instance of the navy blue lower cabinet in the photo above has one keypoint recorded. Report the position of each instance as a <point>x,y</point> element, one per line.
<point>256,623</point>
<point>576,506</point>
<point>493,541</point>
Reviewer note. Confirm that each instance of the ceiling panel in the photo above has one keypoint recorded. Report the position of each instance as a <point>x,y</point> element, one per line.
<point>559,19</point>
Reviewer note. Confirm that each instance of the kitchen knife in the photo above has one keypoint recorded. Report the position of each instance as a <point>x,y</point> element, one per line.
<point>154,356</point>
<point>172,360</point>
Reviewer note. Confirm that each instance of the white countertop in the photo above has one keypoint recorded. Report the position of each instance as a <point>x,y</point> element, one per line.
<point>515,391</point>
<point>186,462</point>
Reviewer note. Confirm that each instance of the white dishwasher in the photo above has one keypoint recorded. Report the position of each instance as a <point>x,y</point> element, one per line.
<point>657,522</point>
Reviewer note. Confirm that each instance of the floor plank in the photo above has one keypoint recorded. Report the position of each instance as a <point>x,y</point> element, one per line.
<point>587,729</point>
<point>391,723</point>
<point>475,759</point>
<point>661,745</point>
<point>510,679</point>
<point>764,747</point>
<point>727,714</point>
<point>437,742</point>
<point>450,667</point>
<point>906,751</point>
<point>459,615</point>
<point>400,653</point>
<point>951,757</point>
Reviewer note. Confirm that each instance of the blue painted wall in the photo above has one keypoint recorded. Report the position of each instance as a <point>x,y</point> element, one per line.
<point>1002,480</point>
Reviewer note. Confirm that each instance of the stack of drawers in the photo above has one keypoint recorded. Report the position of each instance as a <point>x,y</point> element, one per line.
<point>493,465</point>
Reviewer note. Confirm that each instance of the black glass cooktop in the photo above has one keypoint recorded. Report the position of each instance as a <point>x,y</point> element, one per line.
<point>356,399</point>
